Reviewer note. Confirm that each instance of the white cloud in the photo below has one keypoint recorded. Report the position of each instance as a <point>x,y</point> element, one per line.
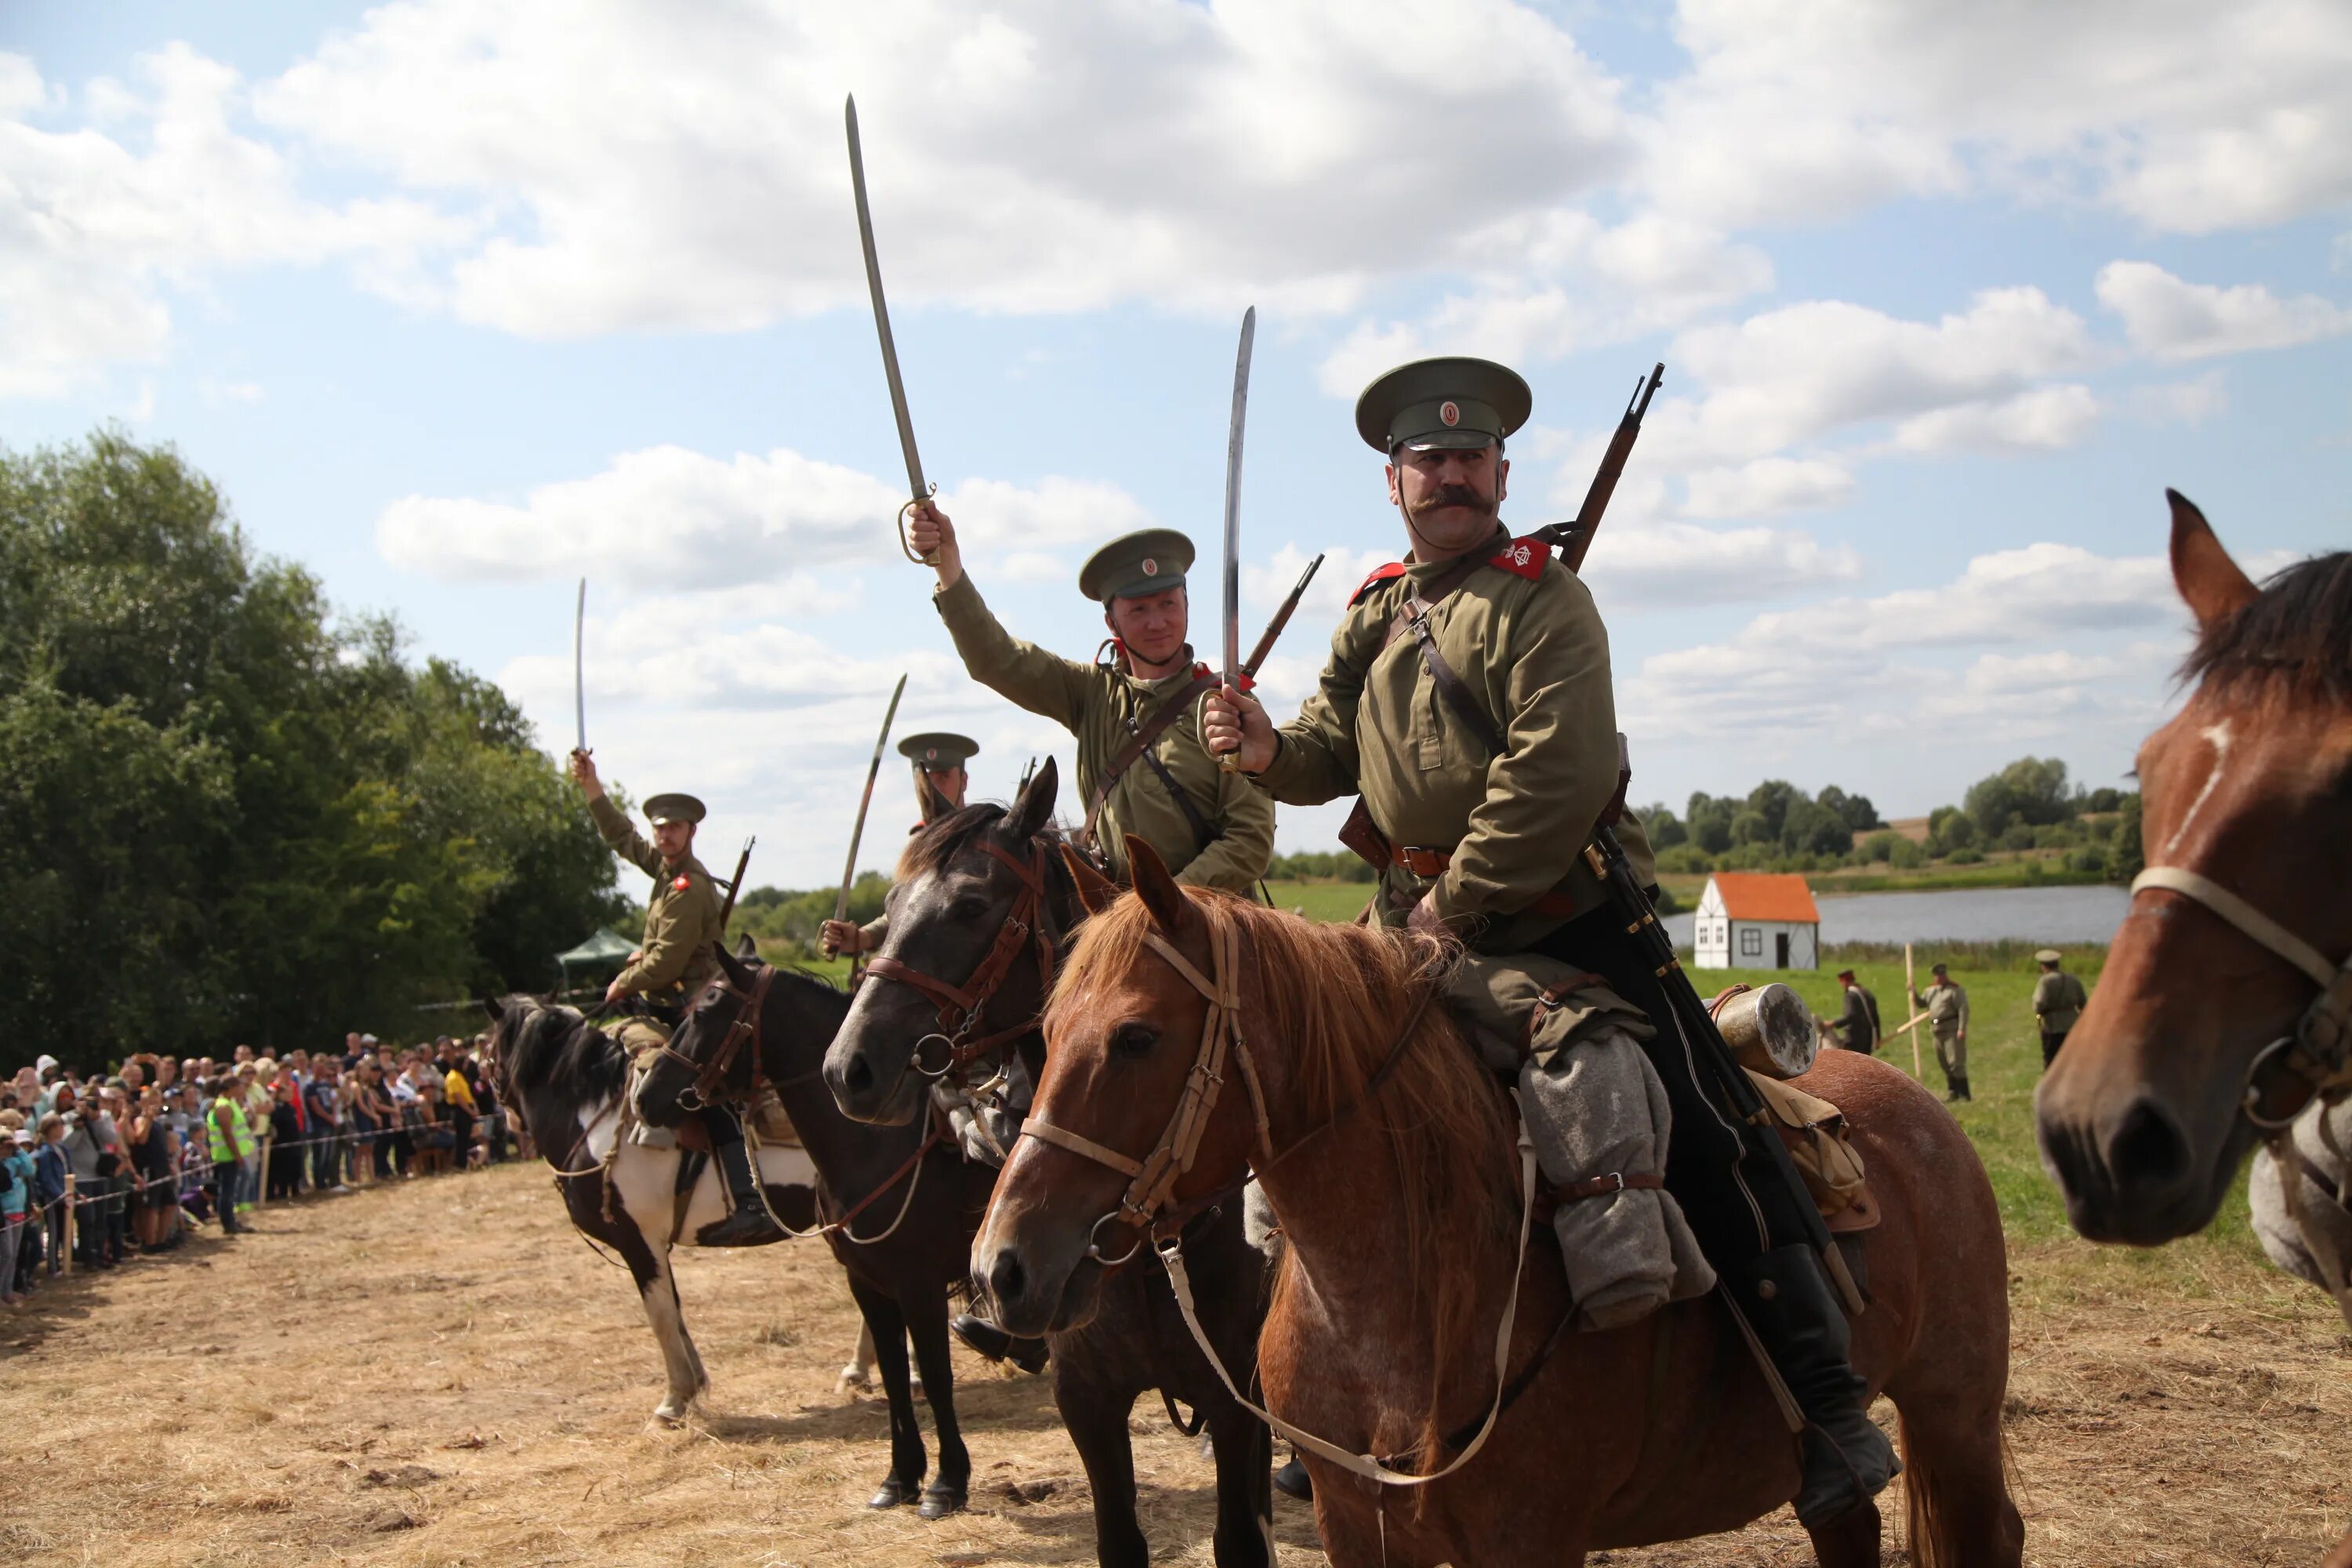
<point>96,231</point>
<point>2189,402</point>
<point>2184,116</point>
<point>2169,319</point>
<point>1664,562</point>
<point>2045,419</point>
<point>1766,485</point>
<point>669,518</point>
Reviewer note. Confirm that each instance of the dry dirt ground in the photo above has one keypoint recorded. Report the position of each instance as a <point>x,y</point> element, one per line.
<point>440,1372</point>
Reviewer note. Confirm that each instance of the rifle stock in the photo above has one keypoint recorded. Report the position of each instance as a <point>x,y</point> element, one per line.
<point>735,887</point>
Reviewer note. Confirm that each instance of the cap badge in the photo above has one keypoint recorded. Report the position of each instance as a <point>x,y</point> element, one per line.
<point>931,754</point>
<point>1151,568</point>
<point>1449,413</point>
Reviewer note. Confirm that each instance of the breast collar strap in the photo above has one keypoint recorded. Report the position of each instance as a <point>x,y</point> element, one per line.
<point>2318,1054</point>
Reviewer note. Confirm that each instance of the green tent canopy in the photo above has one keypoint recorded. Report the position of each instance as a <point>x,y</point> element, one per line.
<point>603,950</point>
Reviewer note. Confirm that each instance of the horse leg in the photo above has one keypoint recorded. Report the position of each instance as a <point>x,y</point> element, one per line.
<point>927,1324</point>
<point>1245,1455</point>
<point>1096,1417</point>
<point>1852,1539</point>
<point>1954,1482</point>
<point>858,1371</point>
<point>2342,1556</point>
<point>657,1289</point>
<point>904,1481</point>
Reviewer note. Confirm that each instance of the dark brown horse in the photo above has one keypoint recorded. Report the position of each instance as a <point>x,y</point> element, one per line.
<point>1400,1216</point>
<point>2224,1011</point>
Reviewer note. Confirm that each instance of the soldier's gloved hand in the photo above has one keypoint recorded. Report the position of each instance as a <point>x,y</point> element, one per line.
<point>583,769</point>
<point>1235,722</point>
<point>838,937</point>
<point>934,538</point>
<point>615,991</point>
<point>1425,919</point>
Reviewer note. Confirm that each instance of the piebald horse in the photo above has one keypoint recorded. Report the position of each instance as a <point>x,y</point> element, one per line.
<point>564,1080</point>
<point>1386,1149</point>
<point>2223,1016</point>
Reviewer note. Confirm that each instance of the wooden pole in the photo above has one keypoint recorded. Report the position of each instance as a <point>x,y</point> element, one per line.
<point>1911,999</point>
<point>72,1233</point>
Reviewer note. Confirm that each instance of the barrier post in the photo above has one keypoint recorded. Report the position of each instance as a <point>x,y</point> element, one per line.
<point>72,1222</point>
<point>261,1188</point>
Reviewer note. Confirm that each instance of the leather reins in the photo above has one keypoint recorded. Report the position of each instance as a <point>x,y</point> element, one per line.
<point>1027,924</point>
<point>708,1075</point>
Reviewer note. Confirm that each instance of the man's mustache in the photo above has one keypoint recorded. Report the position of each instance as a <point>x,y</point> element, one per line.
<point>1453,495</point>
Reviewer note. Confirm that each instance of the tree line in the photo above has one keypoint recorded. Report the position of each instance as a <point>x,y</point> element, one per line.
<point>236,816</point>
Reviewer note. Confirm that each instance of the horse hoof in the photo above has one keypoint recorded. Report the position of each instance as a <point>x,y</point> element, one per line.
<point>851,1377</point>
<point>1291,1480</point>
<point>893,1493</point>
<point>941,1501</point>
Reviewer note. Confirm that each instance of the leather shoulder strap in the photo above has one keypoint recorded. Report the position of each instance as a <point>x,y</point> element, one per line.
<point>1139,742</point>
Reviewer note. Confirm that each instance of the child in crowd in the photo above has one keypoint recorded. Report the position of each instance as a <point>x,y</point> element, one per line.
<point>15,1201</point>
<point>49,1185</point>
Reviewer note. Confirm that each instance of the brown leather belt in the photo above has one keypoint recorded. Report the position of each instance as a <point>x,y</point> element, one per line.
<point>1423,861</point>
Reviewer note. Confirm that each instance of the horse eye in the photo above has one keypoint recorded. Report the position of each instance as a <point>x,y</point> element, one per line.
<point>1134,1040</point>
<point>969,908</point>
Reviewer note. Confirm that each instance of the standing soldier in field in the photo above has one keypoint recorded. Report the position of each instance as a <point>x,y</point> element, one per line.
<point>678,956</point>
<point>1468,697</point>
<point>938,759</point>
<point>1140,768</point>
<point>1857,1029</point>
<point>1947,1006</point>
<point>2058,1000</point>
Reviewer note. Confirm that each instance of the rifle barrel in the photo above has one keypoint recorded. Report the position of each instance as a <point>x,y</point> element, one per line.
<point>1281,618</point>
<point>1612,466</point>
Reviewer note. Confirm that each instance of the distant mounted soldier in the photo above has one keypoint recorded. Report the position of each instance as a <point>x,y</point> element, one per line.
<point>677,956</point>
<point>937,757</point>
<point>1140,768</point>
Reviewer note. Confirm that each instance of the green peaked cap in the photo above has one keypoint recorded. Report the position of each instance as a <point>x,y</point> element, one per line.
<point>938,750</point>
<point>673,807</point>
<point>1454,402</point>
<point>1135,564</point>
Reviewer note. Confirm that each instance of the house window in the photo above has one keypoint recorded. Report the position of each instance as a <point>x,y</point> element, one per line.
<point>1751,942</point>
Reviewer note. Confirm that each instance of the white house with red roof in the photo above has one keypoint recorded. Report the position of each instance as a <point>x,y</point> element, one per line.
<point>1757,919</point>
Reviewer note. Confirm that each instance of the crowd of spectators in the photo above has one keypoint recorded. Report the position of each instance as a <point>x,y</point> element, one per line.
<point>157,1148</point>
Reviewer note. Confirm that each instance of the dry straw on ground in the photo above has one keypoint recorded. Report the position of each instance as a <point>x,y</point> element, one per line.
<point>441,1374</point>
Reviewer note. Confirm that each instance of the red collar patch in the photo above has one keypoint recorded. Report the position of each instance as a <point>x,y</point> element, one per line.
<point>1523,558</point>
<point>1379,576</point>
<point>682,883</point>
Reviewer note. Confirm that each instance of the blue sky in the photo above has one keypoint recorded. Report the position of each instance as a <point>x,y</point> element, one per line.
<point>460,303</point>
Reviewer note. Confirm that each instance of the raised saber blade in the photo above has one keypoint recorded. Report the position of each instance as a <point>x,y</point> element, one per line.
<point>849,867</point>
<point>579,667</point>
<point>1232,575</point>
<point>916,488</point>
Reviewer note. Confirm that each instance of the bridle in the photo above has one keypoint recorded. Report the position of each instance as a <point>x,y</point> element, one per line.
<point>708,1075</point>
<point>2317,1056</point>
<point>1151,1181</point>
<point>1028,924</point>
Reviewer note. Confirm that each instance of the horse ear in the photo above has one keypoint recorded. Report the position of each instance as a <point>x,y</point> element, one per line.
<point>746,946</point>
<point>2211,583</point>
<point>1033,809</point>
<point>1156,886</point>
<point>732,967</point>
<point>1095,890</point>
<point>496,1009</point>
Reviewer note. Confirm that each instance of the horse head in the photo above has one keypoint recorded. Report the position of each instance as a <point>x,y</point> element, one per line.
<point>978,903</point>
<point>2199,1036</point>
<point>1120,1135</point>
<point>715,1027</point>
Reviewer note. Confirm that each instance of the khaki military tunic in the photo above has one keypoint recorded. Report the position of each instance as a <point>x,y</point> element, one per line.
<point>2058,1000</point>
<point>1947,1006</point>
<point>682,931</point>
<point>1526,641</point>
<point>1100,706</point>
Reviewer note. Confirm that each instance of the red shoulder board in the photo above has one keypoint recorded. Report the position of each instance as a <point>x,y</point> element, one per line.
<point>682,883</point>
<point>1202,672</point>
<point>1523,558</point>
<point>1379,576</point>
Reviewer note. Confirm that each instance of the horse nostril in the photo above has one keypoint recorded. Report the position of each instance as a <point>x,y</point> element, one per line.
<point>2147,1149</point>
<point>1006,1278</point>
<point>858,1078</point>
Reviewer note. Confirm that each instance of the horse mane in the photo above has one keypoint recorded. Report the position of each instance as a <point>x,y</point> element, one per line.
<point>2298,627</point>
<point>1329,998</point>
<point>558,1045</point>
<point>936,842</point>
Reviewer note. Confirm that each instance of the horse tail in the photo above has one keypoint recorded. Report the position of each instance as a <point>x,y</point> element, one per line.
<point>1932,1516</point>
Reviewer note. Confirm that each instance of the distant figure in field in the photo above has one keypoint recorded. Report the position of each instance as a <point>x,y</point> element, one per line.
<point>1857,1029</point>
<point>1947,1006</point>
<point>2058,1000</point>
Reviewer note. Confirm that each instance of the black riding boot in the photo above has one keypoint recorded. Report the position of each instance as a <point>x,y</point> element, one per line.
<point>749,1223</point>
<point>1789,1302</point>
<point>1965,1095</point>
<point>992,1343</point>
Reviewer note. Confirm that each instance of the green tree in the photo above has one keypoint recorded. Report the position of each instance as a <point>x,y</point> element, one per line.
<point>2031,790</point>
<point>2125,857</point>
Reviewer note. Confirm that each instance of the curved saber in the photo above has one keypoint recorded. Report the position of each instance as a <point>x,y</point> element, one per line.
<point>1233,668</point>
<point>579,667</point>
<point>916,487</point>
<point>849,867</point>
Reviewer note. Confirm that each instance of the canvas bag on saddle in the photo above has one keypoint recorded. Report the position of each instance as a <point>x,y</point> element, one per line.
<point>1597,1115</point>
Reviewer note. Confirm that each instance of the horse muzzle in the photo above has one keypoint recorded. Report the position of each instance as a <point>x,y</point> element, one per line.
<point>2131,1168</point>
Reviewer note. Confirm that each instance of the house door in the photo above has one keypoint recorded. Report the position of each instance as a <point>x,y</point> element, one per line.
<point>1780,951</point>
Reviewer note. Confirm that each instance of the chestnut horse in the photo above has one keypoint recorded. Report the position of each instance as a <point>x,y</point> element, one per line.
<point>1394,1186</point>
<point>2219,1019</point>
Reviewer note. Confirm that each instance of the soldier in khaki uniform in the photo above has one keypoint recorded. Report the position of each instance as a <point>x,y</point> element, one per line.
<point>941,779</point>
<point>1468,697</point>
<point>1947,1006</point>
<point>1211,828</point>
<point>675,959</point>
<point>1857,1029</point>
<point>2058,1000</point>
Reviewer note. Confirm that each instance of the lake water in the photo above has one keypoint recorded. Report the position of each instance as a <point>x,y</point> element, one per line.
<point>1974,914</point>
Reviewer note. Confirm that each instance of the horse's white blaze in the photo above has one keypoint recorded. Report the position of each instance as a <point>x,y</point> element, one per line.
<point>2218,737</point>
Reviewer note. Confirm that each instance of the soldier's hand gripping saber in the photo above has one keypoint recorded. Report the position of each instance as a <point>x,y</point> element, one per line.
<point>856,834</point>
<point>1232,669</point>
<point>918,491</point>
<point>579,670</point>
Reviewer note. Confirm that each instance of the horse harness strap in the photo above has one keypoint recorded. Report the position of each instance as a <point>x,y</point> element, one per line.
<point>2319,1051</point>
<point>959,1006</point>
<point>1139,741</point>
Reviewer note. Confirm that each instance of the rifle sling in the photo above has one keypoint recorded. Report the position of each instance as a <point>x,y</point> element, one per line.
<point>1138,745</point>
